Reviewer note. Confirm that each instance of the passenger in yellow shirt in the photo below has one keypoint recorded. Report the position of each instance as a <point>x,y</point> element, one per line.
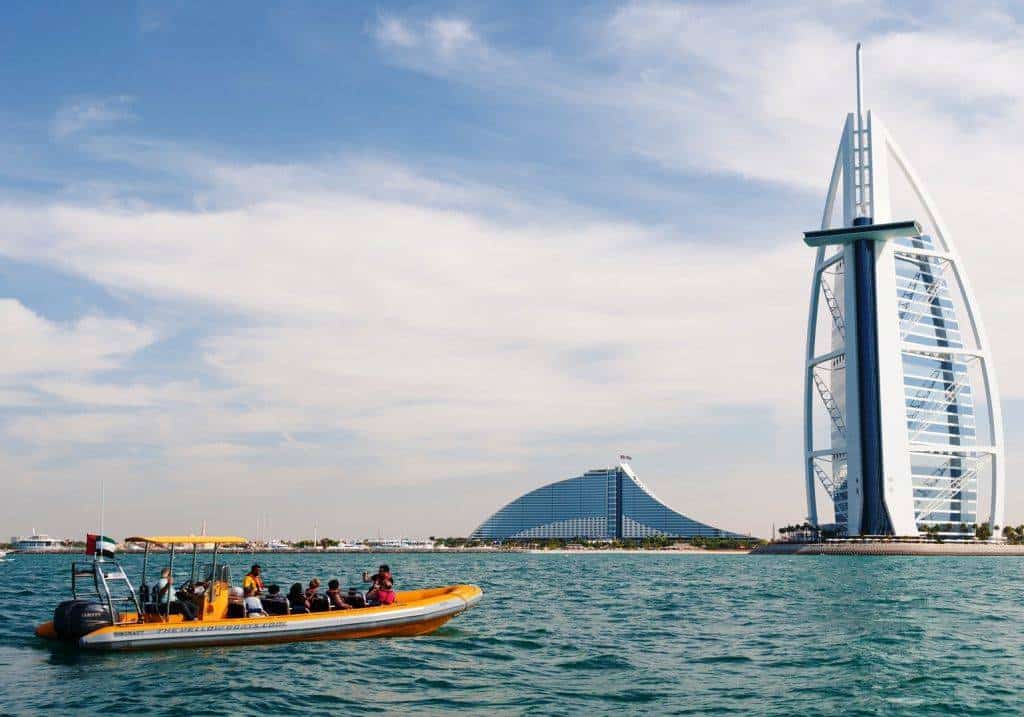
<point>254,581</point>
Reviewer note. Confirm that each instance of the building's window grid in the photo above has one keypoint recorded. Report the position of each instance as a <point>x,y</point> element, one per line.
<point>640,507</point>
<point>840,502</point>
<point>587,507</point>
<point>938,394</point>
<point>593,528</point>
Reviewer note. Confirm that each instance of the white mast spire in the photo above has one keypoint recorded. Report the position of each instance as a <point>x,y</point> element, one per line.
<point>860,92</point>
<point>861,143</point>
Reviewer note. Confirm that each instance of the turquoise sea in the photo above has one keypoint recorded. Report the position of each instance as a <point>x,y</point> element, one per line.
<point>578,634</point>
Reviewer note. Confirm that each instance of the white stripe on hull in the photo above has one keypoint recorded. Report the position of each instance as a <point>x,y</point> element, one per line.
<point>255,630</point>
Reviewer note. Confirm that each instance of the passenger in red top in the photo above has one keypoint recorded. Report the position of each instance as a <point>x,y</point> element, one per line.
<point>382,591</point>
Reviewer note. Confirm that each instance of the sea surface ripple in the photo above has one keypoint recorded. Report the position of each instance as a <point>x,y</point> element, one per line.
<point>574,634</point>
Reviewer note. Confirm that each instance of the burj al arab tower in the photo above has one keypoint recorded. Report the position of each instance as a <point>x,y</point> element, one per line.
<point>902,422</point>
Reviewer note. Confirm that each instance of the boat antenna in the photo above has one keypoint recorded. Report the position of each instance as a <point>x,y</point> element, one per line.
<point>103,501</point>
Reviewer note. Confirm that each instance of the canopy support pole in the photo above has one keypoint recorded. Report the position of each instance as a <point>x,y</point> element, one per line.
<point>170,585</point>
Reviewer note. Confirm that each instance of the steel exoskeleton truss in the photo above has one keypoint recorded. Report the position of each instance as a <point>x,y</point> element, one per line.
<point>862,168</point>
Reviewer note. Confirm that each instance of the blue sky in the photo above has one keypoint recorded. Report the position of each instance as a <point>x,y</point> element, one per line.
<point>300,261</point>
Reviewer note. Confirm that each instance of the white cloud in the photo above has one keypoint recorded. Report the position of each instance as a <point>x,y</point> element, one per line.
<point>87,428</point>
<point>439,45</point>
<point>90,114</point>
<point>34,346</point>
<point>452,34</point>
<point>391,31</point>
<point>710,89</point>
<point>423,329</point>
<point>438,342</point>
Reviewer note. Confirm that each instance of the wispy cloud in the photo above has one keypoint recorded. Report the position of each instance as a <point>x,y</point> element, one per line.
<point>698,88</point>
<point>395,32</point>
<point>435,43</point>
<point>90,114</point>
<point>415,330</point>
<point>35,346</point>
<point>703,90</point>
<point>386,323</point>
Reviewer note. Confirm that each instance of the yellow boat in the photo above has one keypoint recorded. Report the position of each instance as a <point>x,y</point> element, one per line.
<point>107,612</point>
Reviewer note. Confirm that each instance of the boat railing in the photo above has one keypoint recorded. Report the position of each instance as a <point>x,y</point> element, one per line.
<point>105,576</point>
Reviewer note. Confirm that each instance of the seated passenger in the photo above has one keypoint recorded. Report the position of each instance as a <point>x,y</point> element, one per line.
<point>335,598</point>
<point>253,606</point>
<point>236,602</point>
<point>164,598</point>
<point>382,590</point>
<point>297,600</point>
<point>316,600</point>
<point>386,595</point>
<point>163,590</point>
<point>275,603</point>
<point>355,598</point>
<point>375,579</point>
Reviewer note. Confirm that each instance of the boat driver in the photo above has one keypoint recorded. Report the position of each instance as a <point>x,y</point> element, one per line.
<point>254,581</point>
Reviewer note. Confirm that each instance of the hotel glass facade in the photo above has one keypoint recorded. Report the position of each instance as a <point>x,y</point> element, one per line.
<point>601,504</point>
<point>903,425</point>
<point>937,390</point>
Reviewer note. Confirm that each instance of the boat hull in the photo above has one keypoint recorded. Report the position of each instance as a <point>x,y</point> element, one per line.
<point>417,612</point>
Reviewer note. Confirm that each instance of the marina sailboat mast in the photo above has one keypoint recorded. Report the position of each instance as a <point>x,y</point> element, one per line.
<point>902,422</point>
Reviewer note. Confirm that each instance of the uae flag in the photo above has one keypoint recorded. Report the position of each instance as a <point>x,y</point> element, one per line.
<point>99,545</point>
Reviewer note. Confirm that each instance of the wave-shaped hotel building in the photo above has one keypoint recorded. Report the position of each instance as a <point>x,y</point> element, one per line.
<point>601,504</point>
<point>902,417</point>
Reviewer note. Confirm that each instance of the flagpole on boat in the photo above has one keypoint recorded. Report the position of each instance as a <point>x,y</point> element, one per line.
<point>103,501</point>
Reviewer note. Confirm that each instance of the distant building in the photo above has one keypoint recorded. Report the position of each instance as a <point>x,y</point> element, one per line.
<point>601,504</point>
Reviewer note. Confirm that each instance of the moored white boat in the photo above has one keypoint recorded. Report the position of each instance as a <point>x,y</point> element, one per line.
<point>38,543</point>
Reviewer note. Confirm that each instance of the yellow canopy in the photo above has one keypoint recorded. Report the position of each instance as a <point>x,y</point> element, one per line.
<point>176,539</point>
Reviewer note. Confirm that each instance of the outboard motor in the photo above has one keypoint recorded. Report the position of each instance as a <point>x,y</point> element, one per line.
<point>73,619</point>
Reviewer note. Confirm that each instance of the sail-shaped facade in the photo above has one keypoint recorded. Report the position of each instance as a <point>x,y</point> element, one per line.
<point>902,426</point>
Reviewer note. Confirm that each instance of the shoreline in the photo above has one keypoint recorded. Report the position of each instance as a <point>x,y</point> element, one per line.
<point>620,551</point>
<point>893,548</point>
<point>778,549</point>
<point>399,551</point>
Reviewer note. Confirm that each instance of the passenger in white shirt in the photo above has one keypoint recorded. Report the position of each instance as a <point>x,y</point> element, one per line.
<point>253,606</point>
<point>166,601</point>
